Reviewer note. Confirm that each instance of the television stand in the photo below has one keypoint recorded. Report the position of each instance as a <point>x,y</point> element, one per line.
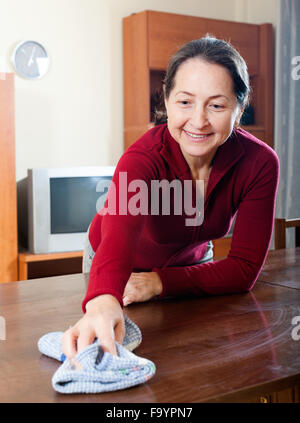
<point>32,266</point>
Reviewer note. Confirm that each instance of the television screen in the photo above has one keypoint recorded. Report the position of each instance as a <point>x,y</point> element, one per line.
<point>74,201</point>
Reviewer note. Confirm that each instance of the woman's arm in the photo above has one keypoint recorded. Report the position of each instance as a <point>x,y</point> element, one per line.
<point>120,233</point>
<point>111,267</point>
<point>250,243</point>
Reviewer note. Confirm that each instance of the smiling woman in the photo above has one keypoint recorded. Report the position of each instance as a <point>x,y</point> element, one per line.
<point>140,256</point>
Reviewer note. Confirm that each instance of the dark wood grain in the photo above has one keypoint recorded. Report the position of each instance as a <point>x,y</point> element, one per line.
<point>282,267</point>
<point>226,348</point>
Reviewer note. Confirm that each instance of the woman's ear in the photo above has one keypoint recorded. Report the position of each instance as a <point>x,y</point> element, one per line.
<point>165,103</point>
<point>238,117</point>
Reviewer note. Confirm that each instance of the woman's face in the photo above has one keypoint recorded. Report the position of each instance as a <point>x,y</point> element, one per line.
<point>202,108</point>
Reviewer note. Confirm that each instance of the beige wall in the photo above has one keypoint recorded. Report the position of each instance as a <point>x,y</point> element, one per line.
<point>256,11</point>
<point>74,115</point>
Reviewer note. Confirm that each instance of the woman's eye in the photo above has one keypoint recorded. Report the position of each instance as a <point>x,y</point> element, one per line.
<point>184,102</point>
<point>217,106</point>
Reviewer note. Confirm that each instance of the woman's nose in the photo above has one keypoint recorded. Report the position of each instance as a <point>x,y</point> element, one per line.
<point>199,118</point>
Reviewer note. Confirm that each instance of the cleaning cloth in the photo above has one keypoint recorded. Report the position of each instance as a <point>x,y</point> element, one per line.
<point>95,371</point>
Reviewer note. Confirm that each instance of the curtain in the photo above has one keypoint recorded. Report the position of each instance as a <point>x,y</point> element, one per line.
<point>287,110</point>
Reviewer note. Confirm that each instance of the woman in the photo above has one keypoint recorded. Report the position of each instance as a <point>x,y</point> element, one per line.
<point>139,256</point>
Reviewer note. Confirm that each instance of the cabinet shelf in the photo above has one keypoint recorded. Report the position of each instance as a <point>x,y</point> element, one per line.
<point>54,264</point>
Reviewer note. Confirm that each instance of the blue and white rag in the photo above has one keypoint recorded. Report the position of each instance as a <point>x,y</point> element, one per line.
<point>95,371</point>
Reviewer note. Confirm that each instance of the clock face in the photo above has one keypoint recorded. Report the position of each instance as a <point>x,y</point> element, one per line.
<point>30,60</point>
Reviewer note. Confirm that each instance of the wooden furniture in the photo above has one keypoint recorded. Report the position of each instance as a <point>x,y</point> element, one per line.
<point>149,40</point>
<point>221,247</point>
<point>282,267</point>
<point>8,193</point>
<point>281,225</point>
<point>229,348</point>
<point>33,266</point>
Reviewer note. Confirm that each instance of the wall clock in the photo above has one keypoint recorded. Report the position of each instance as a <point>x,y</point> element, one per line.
<point>30,60</point>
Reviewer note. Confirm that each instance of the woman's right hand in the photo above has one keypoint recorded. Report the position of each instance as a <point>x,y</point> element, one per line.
<point>103,320</point>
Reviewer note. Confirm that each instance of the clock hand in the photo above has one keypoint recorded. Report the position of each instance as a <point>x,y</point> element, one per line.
<point>30,59</point>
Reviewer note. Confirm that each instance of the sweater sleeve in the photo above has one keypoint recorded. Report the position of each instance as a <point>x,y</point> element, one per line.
<point>120,229</point>
<point>251,239</point>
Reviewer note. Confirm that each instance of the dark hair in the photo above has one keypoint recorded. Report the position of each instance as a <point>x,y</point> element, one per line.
<point>212,50</point>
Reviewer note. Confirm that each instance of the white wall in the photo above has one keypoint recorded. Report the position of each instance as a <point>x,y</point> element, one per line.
<point>256,11</point>
<point>74,115</point>
<point>61,120</point>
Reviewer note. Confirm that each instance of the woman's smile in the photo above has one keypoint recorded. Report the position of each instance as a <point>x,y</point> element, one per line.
<point>197,137</point>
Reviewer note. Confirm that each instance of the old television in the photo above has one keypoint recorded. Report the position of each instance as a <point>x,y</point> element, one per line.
<point>57,205</point>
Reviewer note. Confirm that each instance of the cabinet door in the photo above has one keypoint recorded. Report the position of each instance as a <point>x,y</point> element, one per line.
<point>168,32</point>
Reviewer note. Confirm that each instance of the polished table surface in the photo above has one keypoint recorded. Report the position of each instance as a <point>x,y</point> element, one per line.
<point>282,267</point>
<point>222,348</point>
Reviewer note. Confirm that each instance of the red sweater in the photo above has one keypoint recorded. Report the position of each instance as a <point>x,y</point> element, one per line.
<point>243,180</point>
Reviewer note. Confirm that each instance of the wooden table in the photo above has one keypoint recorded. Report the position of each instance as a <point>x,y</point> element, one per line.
<point>213,349</point>
<point>282,267</point>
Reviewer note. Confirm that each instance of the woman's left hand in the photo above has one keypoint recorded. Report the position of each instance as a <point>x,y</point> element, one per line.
<point>142,287</point>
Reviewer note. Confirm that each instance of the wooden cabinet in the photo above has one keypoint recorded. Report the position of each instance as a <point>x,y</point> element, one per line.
<point>8,194</point>
<point>149,40</point>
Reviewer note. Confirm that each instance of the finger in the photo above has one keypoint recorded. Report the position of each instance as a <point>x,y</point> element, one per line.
<point>129,286</point>
<point>126,301</point>
<point>106,337</point>
<point>126,290</point>
<point>69,343</point>
<point>120,332</point>
<point>84,339</point>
